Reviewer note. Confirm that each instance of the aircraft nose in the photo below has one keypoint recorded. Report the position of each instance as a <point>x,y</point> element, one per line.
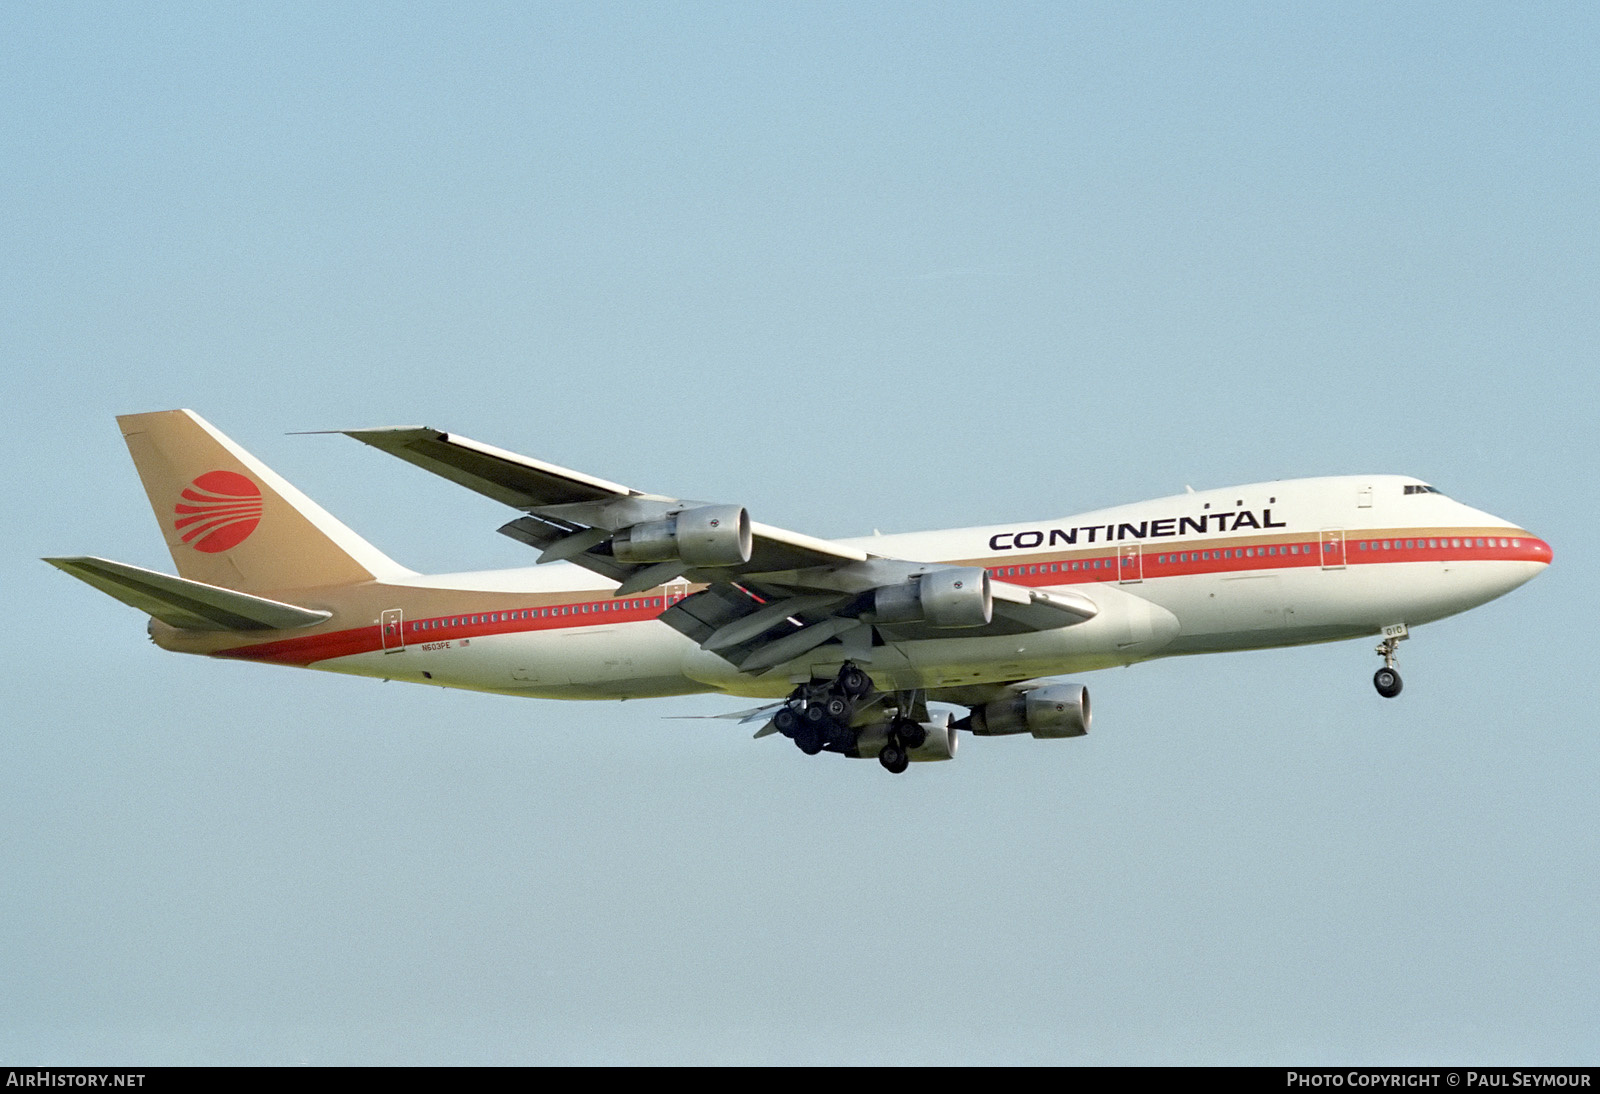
<point>1538,550</point>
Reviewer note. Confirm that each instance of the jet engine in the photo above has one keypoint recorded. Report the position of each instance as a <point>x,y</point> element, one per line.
<point>960,596</point>
<point>1055,710</point>
<point>939,744</point>
<point>713,535</point>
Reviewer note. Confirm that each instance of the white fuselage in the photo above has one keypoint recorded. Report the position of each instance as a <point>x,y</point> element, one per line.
<point>1270,564</point>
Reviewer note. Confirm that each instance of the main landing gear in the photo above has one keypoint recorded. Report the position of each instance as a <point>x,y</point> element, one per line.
<point>818,716</point>
<point>1387,679</point>
<point>904,735</point>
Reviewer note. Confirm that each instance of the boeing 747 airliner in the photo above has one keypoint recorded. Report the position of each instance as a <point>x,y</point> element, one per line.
<point>637,594</point>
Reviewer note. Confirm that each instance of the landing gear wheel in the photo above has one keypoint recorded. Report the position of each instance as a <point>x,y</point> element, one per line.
<point>1388,682</point>
<point>808,738</point>
<point>786,721</point>
<point>1387,679</point>
<point>853,682</point>
<point>911,734</point>
<point>815,716</point>
<point>894,758</point>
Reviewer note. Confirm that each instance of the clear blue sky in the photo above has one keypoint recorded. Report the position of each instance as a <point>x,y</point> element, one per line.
<point>907,267</point>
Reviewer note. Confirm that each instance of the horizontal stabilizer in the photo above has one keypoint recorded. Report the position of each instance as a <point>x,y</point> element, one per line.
<point>190,605</point>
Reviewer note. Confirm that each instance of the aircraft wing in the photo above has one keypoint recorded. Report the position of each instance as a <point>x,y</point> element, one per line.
<point>770,594</point>
<point>568,510</point>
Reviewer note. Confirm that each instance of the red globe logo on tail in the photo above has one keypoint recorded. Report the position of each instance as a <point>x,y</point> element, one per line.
<point>219,510</point>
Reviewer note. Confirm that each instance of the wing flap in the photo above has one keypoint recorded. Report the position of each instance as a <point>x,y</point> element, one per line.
<point>190,605</point>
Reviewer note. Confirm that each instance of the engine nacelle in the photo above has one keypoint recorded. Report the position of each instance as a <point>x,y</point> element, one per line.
<point>961,596</point>
<point>713,535</point>
<point>1055,710</point>
<point>940,743</point>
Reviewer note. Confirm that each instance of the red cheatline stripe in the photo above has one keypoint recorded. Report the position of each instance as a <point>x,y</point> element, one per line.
<point>312,648</point>
<point>308,649</point>
<point>1310,556</point>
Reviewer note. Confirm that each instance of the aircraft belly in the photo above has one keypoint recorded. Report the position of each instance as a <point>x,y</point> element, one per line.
<point>1316,605</point>
<point>633,660</point>
<point>1128,628</point>
<point>620,661</point>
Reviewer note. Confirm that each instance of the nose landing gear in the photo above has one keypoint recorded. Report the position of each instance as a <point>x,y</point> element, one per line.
<point>1388,682</point>
<point>1387,679</point>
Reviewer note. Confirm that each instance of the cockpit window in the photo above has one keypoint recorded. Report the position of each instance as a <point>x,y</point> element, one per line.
<point>1419,488</point>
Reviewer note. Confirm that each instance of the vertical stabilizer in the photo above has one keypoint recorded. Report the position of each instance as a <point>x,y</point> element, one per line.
<point>230,521</point>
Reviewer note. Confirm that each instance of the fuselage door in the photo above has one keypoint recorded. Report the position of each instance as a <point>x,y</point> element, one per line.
<point>1333,548</point>
<point>1130,564</point>
<point>392,626</point>
<point>676,591</point>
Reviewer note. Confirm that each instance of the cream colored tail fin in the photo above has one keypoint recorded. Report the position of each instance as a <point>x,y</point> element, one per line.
<point>230,521</point>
